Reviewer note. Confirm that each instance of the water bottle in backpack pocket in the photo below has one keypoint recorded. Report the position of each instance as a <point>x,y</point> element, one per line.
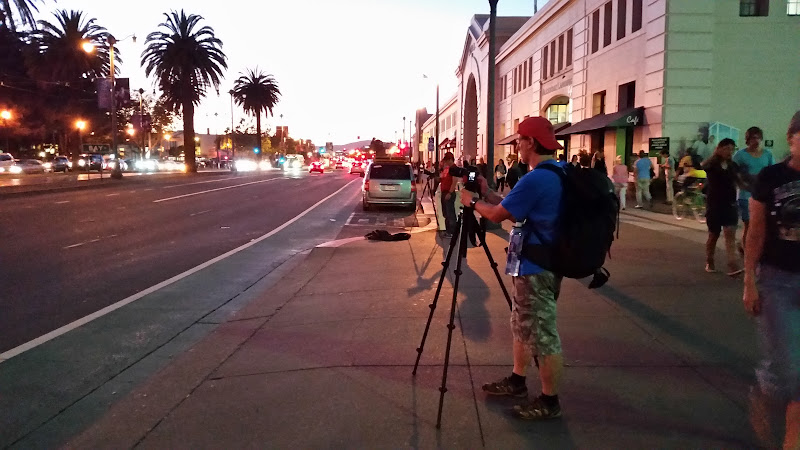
<point>515,243</point>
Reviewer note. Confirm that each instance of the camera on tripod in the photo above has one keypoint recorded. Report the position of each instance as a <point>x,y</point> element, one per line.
<point>471,174</point>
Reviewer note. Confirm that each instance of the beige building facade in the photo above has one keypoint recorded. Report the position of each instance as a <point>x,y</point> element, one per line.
<point>613,74</point>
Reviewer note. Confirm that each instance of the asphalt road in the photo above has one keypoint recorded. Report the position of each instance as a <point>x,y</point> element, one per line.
<point>68,254</point>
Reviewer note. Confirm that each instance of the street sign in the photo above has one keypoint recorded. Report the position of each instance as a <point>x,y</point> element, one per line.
<point>430,144</point>
<point>96,148</point>
<point>657,144</point>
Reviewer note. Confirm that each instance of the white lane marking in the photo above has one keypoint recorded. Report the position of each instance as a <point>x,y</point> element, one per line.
<point>217,189</point>
<point>649,224</point>
<point>110,308</point>
<point>112,195</point>
<point>88,242</point>
<point>198,213</point>
<point>62,202</point>
<point>208,181</point>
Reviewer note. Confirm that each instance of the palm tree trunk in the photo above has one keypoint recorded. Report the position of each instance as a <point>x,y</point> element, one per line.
<point>258,136</point>
<point>188,135</point>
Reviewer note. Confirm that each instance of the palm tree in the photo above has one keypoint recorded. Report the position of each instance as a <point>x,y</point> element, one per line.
<point>58,53</point>
<point>186,61</point>
<point>25,8</point>
<point>256,92</point>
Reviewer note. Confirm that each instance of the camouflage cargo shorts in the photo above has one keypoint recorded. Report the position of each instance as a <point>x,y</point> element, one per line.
<point>533,318</point>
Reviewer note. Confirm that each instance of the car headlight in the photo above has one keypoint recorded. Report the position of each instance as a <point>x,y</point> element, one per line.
<point>69,164</point>
<point>48,166</point>
<point>297,164</point>
<point>81,162</point>
<point>15,169</point>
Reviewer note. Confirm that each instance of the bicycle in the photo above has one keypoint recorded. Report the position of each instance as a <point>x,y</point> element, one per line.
<point>691,199</point>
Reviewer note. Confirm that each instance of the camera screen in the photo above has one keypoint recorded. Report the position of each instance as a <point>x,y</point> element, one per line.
<point>472,176</point>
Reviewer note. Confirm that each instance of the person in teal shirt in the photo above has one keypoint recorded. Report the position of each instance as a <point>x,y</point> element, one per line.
<point>751,160</point>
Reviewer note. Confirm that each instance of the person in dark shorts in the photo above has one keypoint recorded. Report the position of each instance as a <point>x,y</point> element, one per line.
<point>772,295</point>
<point>721,210</point>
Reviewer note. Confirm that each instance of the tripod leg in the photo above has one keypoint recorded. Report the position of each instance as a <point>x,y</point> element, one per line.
<point>462,250</point>
<point>432,306</point>
<point>493,263</point>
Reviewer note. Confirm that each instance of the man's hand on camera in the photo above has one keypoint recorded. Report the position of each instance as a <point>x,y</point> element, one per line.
<point>467,196</point>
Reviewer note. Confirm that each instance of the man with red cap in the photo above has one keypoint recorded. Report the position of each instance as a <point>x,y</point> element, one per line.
<point>535,200</point>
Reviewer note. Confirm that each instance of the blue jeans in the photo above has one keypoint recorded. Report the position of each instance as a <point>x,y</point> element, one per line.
<point>778,327</point>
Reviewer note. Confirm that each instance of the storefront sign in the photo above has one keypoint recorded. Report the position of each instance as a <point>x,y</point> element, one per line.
<point>430,144</point>
<point>657,144</point>
<point>556,85</point>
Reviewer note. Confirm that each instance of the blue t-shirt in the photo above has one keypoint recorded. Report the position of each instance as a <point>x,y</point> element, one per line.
<point>643,166</point>
<point>536,198</point>
<point>752,165</point>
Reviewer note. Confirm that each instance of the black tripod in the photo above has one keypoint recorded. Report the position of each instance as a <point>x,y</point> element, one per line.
<point>467,228</point>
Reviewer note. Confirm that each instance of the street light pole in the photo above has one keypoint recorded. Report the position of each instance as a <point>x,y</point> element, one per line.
<point>491,81</point>
<point>6,115</point>
<point>437,126</point>
<point>141,117</point>
<point>233,147</point>
<point>116,173</point>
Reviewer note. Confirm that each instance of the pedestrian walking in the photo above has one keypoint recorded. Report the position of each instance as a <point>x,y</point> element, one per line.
<point>447,185</point>
<point>500,175</point>
<point>641,171</point>
<point>751,159</point>
<point>535,200</point>
<point>772,293</point>
<point>620,177</point>
<point>513,174</point>
<point>721,211</point>
<point>599,162</point>
<point>668,167</point>
<point>574,161</point>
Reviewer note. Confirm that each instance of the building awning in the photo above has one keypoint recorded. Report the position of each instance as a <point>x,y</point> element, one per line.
<point>627,118</point>
<point>444,143</point>
<point>508,140</point>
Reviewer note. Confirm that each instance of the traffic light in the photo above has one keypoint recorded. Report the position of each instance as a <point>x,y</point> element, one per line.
<point>256,150</point>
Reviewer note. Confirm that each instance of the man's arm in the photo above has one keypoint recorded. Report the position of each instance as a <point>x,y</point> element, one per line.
<point>754,248</point>
<point>495,213</point>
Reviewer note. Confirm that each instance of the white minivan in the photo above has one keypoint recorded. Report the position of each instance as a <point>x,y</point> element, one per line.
<point>6,162</point>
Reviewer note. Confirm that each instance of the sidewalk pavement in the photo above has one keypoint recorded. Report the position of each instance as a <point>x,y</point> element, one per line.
<point>660,357</point>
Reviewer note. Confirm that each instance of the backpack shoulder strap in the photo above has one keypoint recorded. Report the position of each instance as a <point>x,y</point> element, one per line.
<point>553,168</point>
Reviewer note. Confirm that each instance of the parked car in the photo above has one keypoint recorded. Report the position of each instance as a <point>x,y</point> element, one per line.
<point>6,162</point>
<point>389,182</point>
<point>31,166</point>
<point>59,164</point>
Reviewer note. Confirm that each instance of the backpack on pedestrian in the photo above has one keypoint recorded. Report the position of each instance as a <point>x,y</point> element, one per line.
<point>585,227</point>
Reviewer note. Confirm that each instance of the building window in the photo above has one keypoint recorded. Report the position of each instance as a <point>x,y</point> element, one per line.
<point>516,125</point>
<point>556,113</point>
<point>607,24</point>
<point>626,97</point>
<point>525,74</point>
<point>621,12</point>
<point>753,8</point>
<point>545,60</point>
<point>530,70</point>
<point>569,47</point>
<point>595,30</point>
<point>561,53</point>
<point>514,82</point>
<point>793,7</point>
<point>552,58</point>
<point>636,20</point>
<point>599,103</point>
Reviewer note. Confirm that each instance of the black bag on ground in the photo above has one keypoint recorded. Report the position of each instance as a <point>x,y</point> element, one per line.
<point>584,229</point>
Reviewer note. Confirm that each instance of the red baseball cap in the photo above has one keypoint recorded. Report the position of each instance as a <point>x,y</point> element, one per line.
<point>540,129</point>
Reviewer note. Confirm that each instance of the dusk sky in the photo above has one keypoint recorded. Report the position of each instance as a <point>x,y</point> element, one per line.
<point>345,68</point>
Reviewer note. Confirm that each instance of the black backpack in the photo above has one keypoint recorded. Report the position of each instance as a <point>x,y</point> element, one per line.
<point>585,226</point>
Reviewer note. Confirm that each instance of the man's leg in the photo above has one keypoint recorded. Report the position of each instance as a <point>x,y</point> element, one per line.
<point>623,194</point>
<point>551,368</point>
<point>670,190</point>
<point>730,250</point>
<point>646,188</point>
<point>522,358</point>
<point>639,193</point>
<point>711,247</point>
<point>744,213</point>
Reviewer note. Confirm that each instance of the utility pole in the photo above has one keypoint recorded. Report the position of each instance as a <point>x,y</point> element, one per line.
<point>491,81</point>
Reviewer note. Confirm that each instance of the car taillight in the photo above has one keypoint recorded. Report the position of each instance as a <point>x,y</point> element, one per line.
<point>413,186</point>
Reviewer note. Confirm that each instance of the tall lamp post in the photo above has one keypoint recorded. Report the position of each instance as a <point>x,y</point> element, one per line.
<point>491,81</point>
<point>80,125</point>
<point>141,117</point>
<point>233,147</point>
<point>6,116</point>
